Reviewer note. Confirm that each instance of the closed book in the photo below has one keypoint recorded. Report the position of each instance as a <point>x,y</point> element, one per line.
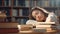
<point>25,27</point>
<point>51,27</point>
<point>39,30</point>
<point>26,31</point>
<point>45,26</point>
<point>45,23</point>
<point>8,25</point>
<point>44,30</point>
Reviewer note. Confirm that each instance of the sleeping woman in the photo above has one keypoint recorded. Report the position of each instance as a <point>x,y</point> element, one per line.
<point>41,15</point>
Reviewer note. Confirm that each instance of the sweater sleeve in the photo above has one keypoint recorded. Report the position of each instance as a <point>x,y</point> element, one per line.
<point>31,22</point>
<point>52,18</point>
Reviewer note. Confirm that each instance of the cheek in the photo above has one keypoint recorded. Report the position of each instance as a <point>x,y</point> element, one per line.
<point>43,17</point>
<point>40,17</point>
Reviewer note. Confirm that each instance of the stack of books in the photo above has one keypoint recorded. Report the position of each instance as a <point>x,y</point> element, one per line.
<point>8,28</point>
<point>40,27</point>
<point>44,27</point>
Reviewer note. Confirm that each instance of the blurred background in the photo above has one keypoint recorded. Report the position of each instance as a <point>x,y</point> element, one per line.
<point>19,10</point>
<point>14,12</point>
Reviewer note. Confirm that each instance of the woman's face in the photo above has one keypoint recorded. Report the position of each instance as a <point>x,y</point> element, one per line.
<point>38,15</point>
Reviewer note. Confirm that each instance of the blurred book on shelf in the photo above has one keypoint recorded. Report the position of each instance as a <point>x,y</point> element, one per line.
<point>57,3</point>
<point>14,12</point>
<point>32,3</point>
<point>20,12</point>
<point>46,3</point>
<point>7,11</point>
<point>0,2</point>
<point>26,3</point>
<point>13,19</point>
<point>6,2</point>
<point>10,2</point>
<point>21,3</point>
<point>25,12</point>
<point>15,3</point>
<point>22,21</point>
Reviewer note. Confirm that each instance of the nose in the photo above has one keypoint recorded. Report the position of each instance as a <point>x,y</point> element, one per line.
<point>38,16</point>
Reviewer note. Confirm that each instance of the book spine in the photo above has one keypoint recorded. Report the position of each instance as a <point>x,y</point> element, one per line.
<point>16,2</point>
<point>14,12</point>
<point>45,26</point>
<point>46,23</point>
<point>8,25</point>
<point>20,12</point>
<point>26,3</point>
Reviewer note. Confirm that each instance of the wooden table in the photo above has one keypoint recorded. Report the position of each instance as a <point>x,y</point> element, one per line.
<point>33,32</point>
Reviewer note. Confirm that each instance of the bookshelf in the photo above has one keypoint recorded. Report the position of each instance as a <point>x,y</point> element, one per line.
<point>19,10</point>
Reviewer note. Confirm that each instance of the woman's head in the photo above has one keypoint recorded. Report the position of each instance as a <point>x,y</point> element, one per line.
<point>38,14</point>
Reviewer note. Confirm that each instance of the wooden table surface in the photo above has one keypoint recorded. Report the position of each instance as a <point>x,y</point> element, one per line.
<point>33,32</point>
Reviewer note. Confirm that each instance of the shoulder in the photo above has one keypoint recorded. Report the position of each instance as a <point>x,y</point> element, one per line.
<point>31,21</point>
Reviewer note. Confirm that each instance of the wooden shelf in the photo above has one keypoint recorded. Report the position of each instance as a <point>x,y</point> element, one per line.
<point>27,7</point>
<point>18,16</point>
<point>10,22</point>
<point>16,6</point>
